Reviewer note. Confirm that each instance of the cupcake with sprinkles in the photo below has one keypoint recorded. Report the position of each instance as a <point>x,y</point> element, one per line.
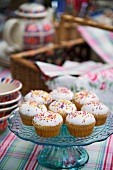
<point>61,93</point>
<point>84,96</point>
<point>98,109</point>
<point>39,96</point>
<point>63,107</point>
<point>29,109</point>
<point>47,124</point>
<point>80,124</point>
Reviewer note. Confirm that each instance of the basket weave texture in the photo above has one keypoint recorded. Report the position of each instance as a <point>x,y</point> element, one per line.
<point>24,69</point>
<point>68,45</point>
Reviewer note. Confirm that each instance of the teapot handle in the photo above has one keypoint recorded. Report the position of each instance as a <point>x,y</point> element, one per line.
<point>7,32</point>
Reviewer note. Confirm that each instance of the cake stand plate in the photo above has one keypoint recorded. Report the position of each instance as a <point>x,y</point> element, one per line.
<point>63,151</point>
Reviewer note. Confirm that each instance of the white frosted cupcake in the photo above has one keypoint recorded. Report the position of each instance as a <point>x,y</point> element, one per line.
<point>84,96</point>
<point>80,124</point>
<point>98,109</point>
<point>63,107</point>
<point>39,96</point>
<point>47,124</point>
<point>29,109</point>
<point>61,93</point>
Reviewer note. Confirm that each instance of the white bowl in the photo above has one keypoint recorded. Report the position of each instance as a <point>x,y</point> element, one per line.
<point>4,114</point>
<point>9,86</point>
<point>7,109</point>
<point>16,99</point>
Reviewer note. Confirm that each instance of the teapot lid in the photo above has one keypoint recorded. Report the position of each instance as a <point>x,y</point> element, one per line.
<point>32,10</point>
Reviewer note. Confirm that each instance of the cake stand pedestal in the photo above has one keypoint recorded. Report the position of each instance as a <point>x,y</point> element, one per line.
<point>58,158</point>
<point>63,151</point>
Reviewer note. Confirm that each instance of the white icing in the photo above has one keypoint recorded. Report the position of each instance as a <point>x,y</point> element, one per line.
<point>80,118</point>
<point>95,108</point>
<point>83,97</point>
<point>62,106</point>
<point>61,93</point>
<point>38,96</point>
<point>31,108</point>
<point>48,119</point>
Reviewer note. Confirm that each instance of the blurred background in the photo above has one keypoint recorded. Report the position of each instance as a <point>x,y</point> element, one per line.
<point>99,10</point>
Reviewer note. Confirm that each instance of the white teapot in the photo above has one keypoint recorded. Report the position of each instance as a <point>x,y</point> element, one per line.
<point>31,29</point>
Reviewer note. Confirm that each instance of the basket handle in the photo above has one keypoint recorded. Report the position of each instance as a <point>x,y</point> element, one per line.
<point>84,21</point>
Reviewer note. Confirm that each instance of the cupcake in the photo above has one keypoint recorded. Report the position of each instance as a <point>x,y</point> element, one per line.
<point>29,109</point>
<point>63,107</point>
<point>80,124</point>
<point>98,109</point>
<point>39,96</point>
<point>61,93</point>
<point>82,97</point>
<point>47,124</point>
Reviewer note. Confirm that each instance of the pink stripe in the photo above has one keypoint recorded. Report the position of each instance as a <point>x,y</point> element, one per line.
<point>4,73</point>
<point>108,158</point>
<point>30,160</point>
<point>111,167</point>
<point>33,160</point>
<point>38,150</point>
<point>6,139</point>
<point>50,68</point>
<point>7,142</point>
<point>34,165</point>
<point>92,68</point>
<point>94,45</point>
<point>111,35</point>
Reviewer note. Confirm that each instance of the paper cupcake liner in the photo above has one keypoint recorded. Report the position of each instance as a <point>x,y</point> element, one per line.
<point>63,116</point>
<point>26,120</point>
<point>47,105</point>
<point>100,119</point>
<point>80,130</point>
<point>78,105</point>
<point>47,131</point>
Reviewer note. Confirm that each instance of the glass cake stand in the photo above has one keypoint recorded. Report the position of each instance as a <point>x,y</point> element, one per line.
<point>63,151</point>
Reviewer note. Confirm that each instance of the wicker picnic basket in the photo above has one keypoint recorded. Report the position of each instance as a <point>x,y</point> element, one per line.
<point>67,45</point>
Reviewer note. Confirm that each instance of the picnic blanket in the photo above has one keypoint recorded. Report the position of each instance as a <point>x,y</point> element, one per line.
<point>70,68</point>
<point>101,41</point>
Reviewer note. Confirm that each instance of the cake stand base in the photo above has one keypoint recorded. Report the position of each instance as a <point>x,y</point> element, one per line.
<point>63,158</point>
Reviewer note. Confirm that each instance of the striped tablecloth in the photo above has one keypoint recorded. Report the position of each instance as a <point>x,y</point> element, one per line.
<point>17,154</point>
<point>5,72</point>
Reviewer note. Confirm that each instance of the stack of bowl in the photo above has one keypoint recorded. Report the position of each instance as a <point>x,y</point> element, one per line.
<point>9,98</point>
